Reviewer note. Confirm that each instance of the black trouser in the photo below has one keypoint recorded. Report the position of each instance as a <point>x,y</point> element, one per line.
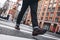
<point>33,6</point>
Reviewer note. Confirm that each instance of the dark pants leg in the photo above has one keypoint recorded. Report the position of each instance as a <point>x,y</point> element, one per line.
<point>33,7</point>
<point>21,13</point>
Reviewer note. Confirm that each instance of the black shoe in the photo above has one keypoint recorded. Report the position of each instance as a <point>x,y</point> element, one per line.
<point>17,28</point>
<point>37,31</point>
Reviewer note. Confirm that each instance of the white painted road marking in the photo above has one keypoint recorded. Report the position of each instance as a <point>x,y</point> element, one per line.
<point>7,37</point>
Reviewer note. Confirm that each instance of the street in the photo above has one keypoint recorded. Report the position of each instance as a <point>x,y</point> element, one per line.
<point>7,32</point>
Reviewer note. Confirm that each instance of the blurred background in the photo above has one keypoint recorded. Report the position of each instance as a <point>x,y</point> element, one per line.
<point>48,13</point>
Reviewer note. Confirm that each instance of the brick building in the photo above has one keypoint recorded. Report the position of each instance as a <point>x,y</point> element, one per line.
<point>48,14</point>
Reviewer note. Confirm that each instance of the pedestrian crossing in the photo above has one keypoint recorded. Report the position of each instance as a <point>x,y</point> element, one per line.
<point>25,29</point>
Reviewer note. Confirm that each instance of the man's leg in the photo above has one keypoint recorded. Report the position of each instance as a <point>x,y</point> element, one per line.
<point>36,29</point>
<point>34,7</point>
<point>21,13</point>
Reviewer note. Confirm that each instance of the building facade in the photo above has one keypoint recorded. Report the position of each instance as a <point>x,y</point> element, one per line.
<point>48,14</point>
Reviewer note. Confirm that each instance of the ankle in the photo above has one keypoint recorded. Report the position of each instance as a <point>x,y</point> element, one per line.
<point>36,27</point>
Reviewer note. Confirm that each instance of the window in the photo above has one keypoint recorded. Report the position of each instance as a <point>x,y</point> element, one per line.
<point>47,14</point>
<point>51,14</point>
<point>41,18</point>
<point>59,4</point>
<point>56,19</point>
<point>50,19</point>
<point>50,5</point>
<point>59,9</point>
<point>46,19</point>
<point>55,0</point>
<point>42,14</point>
<point>58,13</point>
<point>53,9</point>
<point>51,1</point>
<point>54,5</point>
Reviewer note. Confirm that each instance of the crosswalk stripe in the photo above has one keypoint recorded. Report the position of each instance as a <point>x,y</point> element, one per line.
<point>8,37</point>
<point>13,24</point>
<point>24,29</point>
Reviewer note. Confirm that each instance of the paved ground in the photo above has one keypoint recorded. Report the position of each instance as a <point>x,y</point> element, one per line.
<point>7,32</point>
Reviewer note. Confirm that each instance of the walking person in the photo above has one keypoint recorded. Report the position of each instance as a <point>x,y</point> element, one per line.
<point>33,6</point>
